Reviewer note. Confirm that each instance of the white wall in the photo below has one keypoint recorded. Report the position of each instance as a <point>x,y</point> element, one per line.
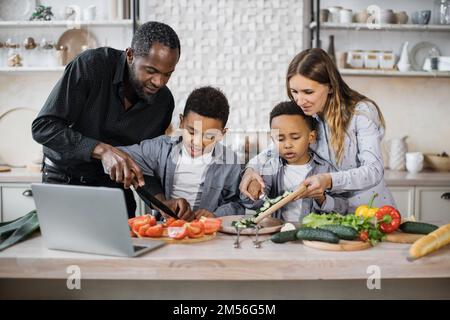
<point>243,47</point>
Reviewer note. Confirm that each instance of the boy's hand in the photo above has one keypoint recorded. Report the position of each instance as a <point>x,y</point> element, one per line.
<point>317,185</point>
<point>249,176</point>
<point>204,213</point>
<point>181,207</point>
<point>255,189</point>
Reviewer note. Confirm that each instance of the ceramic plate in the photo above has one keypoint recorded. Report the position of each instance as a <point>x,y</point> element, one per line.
<point>269,225</point>
<point>74,40</point>
<point>420,52</point>
<point>19,10</point>
<point>18,148</point>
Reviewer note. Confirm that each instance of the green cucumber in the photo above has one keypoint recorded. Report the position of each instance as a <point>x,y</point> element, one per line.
<point>312,234</point>
<point>284,236</point>
<point>343,232</point>
<point>417,227</point>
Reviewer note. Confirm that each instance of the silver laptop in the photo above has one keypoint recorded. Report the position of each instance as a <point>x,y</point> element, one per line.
<point>86,219</point>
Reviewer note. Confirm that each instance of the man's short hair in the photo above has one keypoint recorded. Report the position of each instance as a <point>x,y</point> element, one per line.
<point>151,32</point>
<point>208,102</point>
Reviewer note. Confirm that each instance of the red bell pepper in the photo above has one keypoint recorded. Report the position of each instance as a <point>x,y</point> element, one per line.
<point>388,218</point>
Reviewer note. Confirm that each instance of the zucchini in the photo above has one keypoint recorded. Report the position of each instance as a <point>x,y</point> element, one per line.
<point>343,232</point>
<point>312,234</point>
<point>284,236</point>
<point>417,227</point>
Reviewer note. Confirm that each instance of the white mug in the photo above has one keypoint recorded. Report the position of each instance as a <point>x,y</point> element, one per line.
<point>414,162</point>
<point>89,13</point>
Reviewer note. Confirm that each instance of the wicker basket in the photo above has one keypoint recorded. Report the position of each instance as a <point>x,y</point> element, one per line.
<point>437,163</point>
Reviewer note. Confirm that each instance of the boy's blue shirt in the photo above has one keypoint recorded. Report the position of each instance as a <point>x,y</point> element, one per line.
<point>158,157</point>
<point>272,173</point>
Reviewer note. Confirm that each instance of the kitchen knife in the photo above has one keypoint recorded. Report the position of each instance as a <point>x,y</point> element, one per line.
<point>151,200</point>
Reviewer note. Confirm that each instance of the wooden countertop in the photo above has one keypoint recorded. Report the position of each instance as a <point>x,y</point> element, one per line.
<point>20,175</point>
<point>392,178</point>
<point>218,260</point>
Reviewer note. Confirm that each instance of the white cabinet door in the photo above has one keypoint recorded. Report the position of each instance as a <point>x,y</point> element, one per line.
<point>16,201</point>
<point>404,199</point>
<point>429,205</point>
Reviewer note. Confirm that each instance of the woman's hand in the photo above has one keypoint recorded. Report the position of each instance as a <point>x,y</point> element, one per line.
<point>252,185</point>
<point>316,186</point>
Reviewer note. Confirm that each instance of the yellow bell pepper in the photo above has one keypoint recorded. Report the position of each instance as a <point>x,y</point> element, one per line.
<point>367,211</point>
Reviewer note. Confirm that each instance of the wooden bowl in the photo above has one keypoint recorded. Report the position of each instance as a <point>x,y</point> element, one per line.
<point>436,162</point>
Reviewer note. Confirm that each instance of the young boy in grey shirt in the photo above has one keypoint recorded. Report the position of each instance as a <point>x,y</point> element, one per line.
<point>291,162</point>
<point>194,166</point>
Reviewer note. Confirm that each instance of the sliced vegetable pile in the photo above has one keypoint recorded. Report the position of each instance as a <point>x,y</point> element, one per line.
<point>249,222</point>
<point>146,226</point>
<point>17,230</point>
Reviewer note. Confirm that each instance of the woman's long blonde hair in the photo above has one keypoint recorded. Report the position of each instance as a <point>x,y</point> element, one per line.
<point>316,65</point>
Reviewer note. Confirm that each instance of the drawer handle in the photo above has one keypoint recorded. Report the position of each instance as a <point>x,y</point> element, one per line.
<point>446,196</point>
<point>27,193</point>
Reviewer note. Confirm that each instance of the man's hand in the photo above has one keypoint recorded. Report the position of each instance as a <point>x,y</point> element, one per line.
<point>204,213</point>
<point>120,166</point>
<point>181,207</point>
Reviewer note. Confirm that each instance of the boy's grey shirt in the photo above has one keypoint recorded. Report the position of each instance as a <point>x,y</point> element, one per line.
<point>272,172</point>
<point>360,174</point>
<point>158,157</point>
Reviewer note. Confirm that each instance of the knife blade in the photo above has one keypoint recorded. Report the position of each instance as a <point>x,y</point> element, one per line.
<point>152,201</point>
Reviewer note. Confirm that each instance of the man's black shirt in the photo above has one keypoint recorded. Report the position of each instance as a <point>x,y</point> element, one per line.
<point>86,107</point>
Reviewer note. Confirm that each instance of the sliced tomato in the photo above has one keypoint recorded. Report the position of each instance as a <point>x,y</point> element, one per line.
<point>196,229</point>
<point>152,220</point>
<point>178,223</point>
<point>155,231</point>
<point>143,229</point>
<point>212,225</point>
<point>169,222</point>
<point>177,233</point>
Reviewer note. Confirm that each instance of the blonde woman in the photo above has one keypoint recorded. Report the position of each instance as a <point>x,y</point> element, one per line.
<point>350,127</point>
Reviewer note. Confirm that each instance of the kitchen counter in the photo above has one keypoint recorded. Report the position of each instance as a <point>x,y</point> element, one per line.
<point>392,178</point>
<point>20,175</point>
<point>214,269</point>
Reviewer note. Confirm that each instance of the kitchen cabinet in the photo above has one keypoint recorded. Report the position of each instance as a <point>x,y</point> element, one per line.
<point>404,199</point>
<point>16,201</point>
<point>430,204</point>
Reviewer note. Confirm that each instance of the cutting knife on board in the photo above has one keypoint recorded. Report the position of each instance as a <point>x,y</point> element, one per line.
<point>150,200</point>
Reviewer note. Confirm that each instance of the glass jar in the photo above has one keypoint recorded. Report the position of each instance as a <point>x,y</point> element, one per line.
<point>2,55</point>
<point>30,58</point>
<point>14,55</point>
<point>47,53</point>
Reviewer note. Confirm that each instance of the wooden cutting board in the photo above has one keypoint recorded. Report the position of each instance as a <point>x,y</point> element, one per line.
<point>186,240</point>
<point>268,225</point>
<point>343,245</point>
<point>402,237</point>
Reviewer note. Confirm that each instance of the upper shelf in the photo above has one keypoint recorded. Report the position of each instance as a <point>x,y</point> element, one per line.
<point>64,23</point>
<point>365,26</point>
<point>394,73</point>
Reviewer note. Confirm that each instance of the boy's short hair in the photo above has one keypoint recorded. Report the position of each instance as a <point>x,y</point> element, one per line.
<point>208,102</point>
<point>291,108</point>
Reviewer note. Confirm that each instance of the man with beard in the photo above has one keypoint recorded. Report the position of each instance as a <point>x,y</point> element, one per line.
<point>108,98</point>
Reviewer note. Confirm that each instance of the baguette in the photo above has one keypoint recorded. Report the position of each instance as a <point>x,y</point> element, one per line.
<point>431,242</point>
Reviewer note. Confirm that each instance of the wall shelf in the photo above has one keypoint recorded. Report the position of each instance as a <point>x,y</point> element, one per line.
<point>384,27</point>
<point>394,73</point>
<point>64,23</point>
<point>30,69</point>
